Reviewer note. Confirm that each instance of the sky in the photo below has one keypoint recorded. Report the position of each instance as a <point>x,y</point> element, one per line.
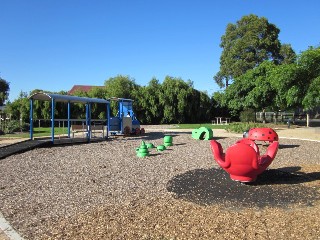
<point>55,44</point>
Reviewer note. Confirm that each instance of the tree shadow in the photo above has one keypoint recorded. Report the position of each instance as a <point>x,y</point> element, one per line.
<point>275,187</point>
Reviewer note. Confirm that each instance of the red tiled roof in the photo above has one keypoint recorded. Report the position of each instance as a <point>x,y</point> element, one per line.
<point>82,88</point>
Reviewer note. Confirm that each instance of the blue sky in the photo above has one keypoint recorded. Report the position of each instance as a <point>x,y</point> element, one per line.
<point>55,44</point>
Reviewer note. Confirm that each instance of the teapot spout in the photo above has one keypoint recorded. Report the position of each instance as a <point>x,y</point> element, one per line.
<point>218,154</point>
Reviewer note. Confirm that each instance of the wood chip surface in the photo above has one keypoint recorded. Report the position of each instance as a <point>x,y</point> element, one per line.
<point>103,190</point>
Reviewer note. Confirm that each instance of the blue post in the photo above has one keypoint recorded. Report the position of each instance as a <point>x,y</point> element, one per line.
<point>108,119</point>
<point>89,125</point>
<point>121,116</point>
<point>31,118</point>
<point>88,122</point>
<point>68,119</point>
<point>52,120</point>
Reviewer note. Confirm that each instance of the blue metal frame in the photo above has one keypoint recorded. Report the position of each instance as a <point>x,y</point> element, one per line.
<point>31,118</point>
<point>108,119</point>
<point>52,119</point>
<point>69,120</point>
<point>69,99</point>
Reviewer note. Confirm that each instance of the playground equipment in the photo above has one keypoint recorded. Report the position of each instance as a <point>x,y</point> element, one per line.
<point>202,133</point>
<point>161,148</point>
<point>125,121</point>
<point>143,150</point>
<point>167,141</point>
<point>242,160</point>
<point>150,145</point>
<point>88,124</point>
<point>262,134</point>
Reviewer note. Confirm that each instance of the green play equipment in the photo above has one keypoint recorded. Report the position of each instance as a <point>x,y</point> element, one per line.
<point>150,145</point>
<point>161,148</point>
<point>167,141</point>
<point>143,150</point>
<point>202,133</point>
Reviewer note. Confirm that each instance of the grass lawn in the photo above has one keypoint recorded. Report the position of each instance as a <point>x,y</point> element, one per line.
<point>37,132</point>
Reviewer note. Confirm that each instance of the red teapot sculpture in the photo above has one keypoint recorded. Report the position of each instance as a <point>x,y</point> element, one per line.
<point>242,160</point>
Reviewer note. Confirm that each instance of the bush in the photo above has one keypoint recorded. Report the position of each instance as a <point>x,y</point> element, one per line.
<point>247,116</point>
<point>242,127</point>
<point>1,132</point>
<point>14,126</point>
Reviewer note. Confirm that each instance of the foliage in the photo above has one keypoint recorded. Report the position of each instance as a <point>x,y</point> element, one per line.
<point>242,127</point>
<point>198,125</point>
<point>16,126</point>
<point>173,101</point>
<point>147,102</point>
<point>276,87</point>
<point>287,55</point>
<point>247,44</point>
<point>120,87</point>
<point>4,90</point>
<point>19,109</point>
<point>312,98</point>
<point>247,115</point>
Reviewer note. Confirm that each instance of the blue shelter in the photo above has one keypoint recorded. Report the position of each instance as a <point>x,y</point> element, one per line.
<point>53,98</point>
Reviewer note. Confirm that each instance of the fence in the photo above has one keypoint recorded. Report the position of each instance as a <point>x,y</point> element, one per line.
<point>302,119</point>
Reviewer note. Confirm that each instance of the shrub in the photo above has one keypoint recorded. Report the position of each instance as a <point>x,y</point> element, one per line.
<point>242,127</point>
<point>247,115</point>
<point>14,126</point>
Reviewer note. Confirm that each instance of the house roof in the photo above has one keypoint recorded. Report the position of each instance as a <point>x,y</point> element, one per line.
<point>82,88</point>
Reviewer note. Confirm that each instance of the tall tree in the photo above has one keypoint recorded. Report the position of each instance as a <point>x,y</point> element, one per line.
<point>312,97</point>
<point>175,99</point>
<point>247,44</point>
<point>120,87</point>
<point>4,91</point>
<point>148,107</point>
<point>309,61</point>
<point>287,54</point>
<point>276,87</point>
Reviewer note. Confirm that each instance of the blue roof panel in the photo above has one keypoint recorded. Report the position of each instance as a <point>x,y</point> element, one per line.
<point>65,98</point>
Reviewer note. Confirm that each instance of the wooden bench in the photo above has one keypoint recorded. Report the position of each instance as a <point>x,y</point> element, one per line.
<point>98,129</point>
<point>79,128</point>
<point>84,129</point>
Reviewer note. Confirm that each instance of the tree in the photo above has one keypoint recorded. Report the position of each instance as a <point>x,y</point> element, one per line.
<point>287,55</point>
<point>4,90</point>
<point>120,87</point>
<point>19,108</point>
<point>174,99</point>
<point>309,61</point>
<point>277,87</point>
<point>252,90</point>
<point>247,44</point>
<point>148,107</point>
<point>312,98</point>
